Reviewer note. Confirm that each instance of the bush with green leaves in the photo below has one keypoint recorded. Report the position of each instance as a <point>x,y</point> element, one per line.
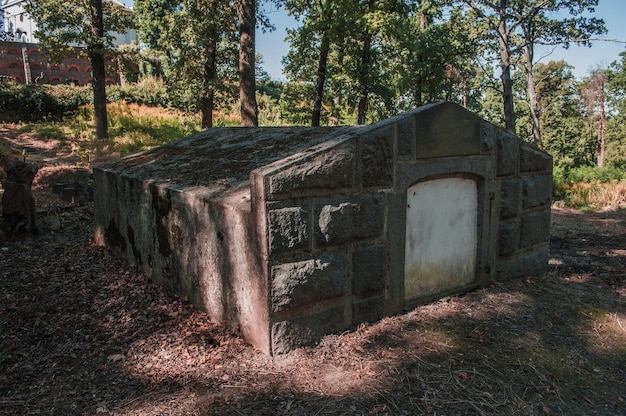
<point>34,102</point>
<point>148,91</point>
<point>567,175</point>
<point>587,187</point>
<point>296,103</point>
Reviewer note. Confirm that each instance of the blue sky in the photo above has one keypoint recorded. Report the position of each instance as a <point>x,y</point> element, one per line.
<point>272,46</point>
<point>601,53</point>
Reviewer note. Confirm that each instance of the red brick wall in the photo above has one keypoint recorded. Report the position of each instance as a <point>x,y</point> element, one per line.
<point>74,69</point>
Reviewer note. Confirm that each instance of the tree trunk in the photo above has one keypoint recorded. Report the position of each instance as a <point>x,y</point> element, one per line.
<point>247,81</point>
<point>321,80</point>
<point>120,71</point>
<point>602,129</point>
<point>364,80</point>
<point>417,93</point>
<point>26,64</point>
<point>594,94</point>
<point>98,82</point>
<point>532,96</point>
<point>465,88</point>
<point>418,87</point>
<point>507,82</point>
<point>209,81</point>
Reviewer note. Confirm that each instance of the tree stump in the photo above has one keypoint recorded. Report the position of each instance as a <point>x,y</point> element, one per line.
<point>18,202</point>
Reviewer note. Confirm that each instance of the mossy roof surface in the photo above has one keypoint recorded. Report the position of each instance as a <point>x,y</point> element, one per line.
<point>221,156</point>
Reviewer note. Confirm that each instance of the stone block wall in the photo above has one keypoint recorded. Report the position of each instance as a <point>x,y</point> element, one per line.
<point>525,175</point>
<point>335,219</point>
<point>310,239</point>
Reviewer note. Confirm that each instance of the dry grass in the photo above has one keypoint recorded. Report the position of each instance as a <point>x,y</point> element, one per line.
<point>595,195</point>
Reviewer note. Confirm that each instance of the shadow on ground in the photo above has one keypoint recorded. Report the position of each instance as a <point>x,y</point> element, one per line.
<point>83,333</point>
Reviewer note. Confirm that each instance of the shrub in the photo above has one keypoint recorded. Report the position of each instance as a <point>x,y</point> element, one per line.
<point>594,173</point>
<point>34,102</point>
<point>590,187</point>
<point>594,195</point>
<point>148,91</point>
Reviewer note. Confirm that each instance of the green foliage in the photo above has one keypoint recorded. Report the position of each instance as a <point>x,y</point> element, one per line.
<point>86,27</point>
<point>616,126</point>
<point>136,63</point>
<point>272,89</point>
<point>381,57</point>
<point>588,174</point>
<point>436,57</point>
<point>34,102</point>
<point>590,187</point>
<point>148,91</point>
<point>565,134</point>
<point>196,42</point>
<point>511,29</point>
<point>616,141</point>
<point>296,103</point>
<point>269,111</point>
<point>62,26</point>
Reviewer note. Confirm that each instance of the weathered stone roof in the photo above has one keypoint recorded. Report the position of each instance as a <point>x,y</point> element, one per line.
<point>221,158</point>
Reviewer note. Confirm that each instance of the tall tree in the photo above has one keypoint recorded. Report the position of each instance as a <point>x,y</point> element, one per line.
<point>89,25</point>
<point>561,114</point>
<point>594,91</point>
<point>377,24</point>
<point>435,57</point>
<point>345,49</point>
<point>364,72</point>
<point>312,44</point>
<point>539,24</point>
<point>368,59</point>
<point>195,49</point>
<point>616,125</point>
<point>518,25</point>
<point>95,51</point>
<point>247,10</point>
<point>496,17</point>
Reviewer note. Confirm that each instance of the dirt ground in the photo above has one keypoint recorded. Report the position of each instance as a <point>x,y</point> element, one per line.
<point>82,333</point>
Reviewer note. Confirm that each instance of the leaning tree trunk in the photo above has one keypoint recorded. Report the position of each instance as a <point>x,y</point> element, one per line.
<point>507,82</point>
<point>322,65</point>
<point>321,80</point>
<point>96,57</point>
<point>247,82</point>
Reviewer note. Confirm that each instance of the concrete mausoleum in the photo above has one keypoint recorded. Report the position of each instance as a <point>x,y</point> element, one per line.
<point>293,233</point>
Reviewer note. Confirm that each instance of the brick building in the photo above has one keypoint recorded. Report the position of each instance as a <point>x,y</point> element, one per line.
<point>26,63</point>
<point>22,60</point>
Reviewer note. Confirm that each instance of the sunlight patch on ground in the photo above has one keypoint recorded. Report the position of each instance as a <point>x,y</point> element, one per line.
<point>606,333</point>
<point>616,253</point>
